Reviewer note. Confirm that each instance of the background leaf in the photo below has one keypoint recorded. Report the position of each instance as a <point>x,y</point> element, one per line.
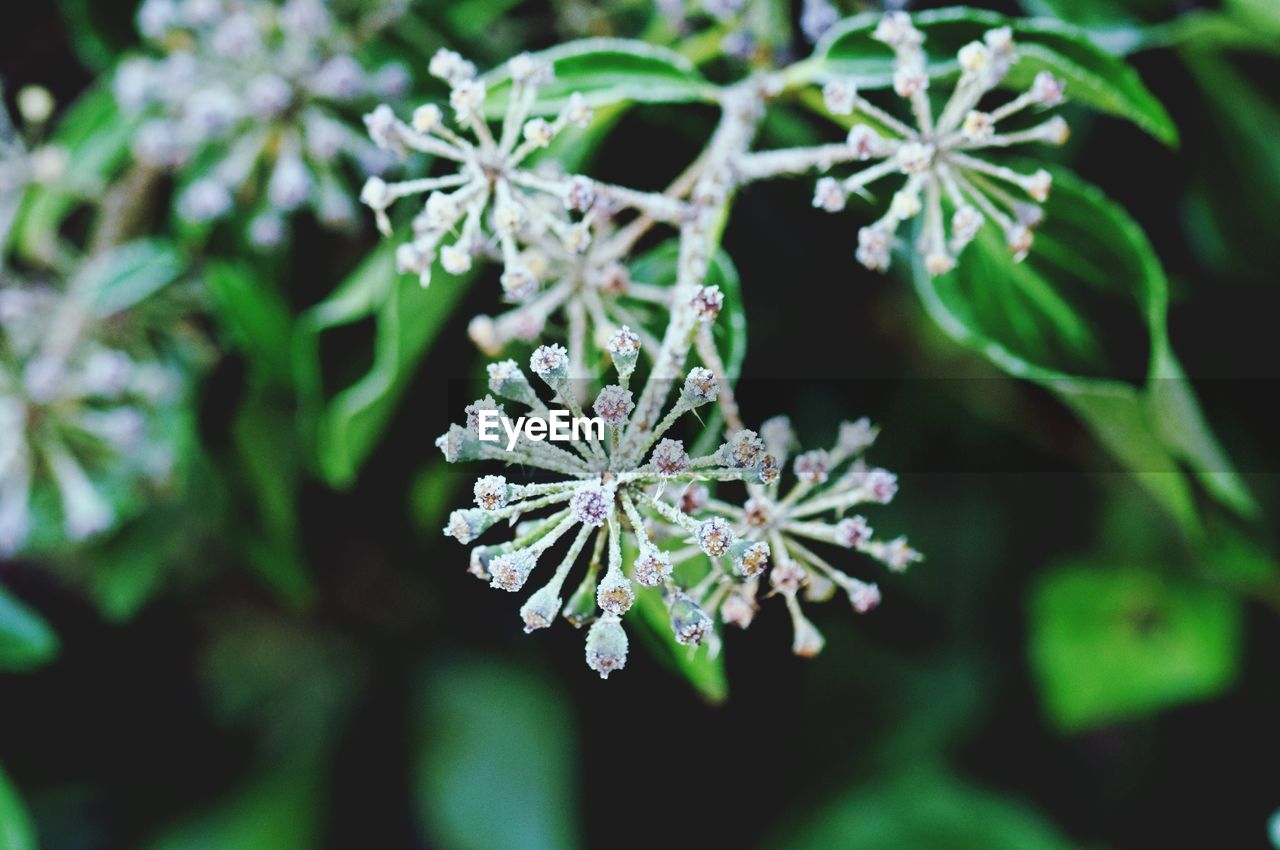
<point>17,832</point>
<point>128,274</point>
<point>26,640</point>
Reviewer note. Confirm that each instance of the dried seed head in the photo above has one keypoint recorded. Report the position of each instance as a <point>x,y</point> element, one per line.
<point>491,492</point>
<point>614,405</point>
<point>714,536</point>
<point>652,567</point>
<point>511,571</point>
<point>670,459</point>
<point>606,646</point>
<point>689,622</point>
<point>752,560</point>
<point>591,505</point>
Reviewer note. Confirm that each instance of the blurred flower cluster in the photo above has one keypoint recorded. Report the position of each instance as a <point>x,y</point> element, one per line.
<point>250,103</point>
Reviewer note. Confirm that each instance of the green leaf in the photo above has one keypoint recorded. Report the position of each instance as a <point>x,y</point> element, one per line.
<point>255,316</point>
<point>98,31</point>
<point>495,760</point>
<point>97,136</point>
<point>17,830</point>
<point>126,275</point>
<point>26,640</point>
<point>923,809</point>
<point>1093,77</point>
<point>1111,641</point>
<point>346,427</point>
<point>608,70</point>
<point>1043,320</point>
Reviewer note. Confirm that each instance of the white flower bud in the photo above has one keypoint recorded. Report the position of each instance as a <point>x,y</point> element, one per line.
<point>829,195</point>
<point>606,646</point>
<point>537,131</point>
<point>35,104</point>
<point>491,492</point>
<point>881,485</point>
<point>1039,184</point>
<point>915,158</point>
<point>786,577</point>
<point>689,622</point>
<point>852,532</point>
<point>714,536</point>
<point>700,386</point>
<point>468,524</point>
<point>376,194</point>
<point>1019,240</point>
<point>813,466</point>
<point>578,112</point>
<point>519,283</point>
<point>864,141</point>
<point>467,98</point>
<point>752,560</point>
<point>910,80</point>
<point>965,225</point>
<point>614,595</point>
<point>670,459</point>
<point>580,195</point>
<point>978,126</point>
<point>707,303</point>
<point>874,244</point>
<point>1046,89</point>
<point>511,571</point>
<point>808,641</point>
<point>856,437</point>
<point>455,260</point>
<point>862,596</point>
<point>739,606</point>
<point>840,96</point>
<point>904,205</point>
<point>974,58</point>
<point>939,262</point>
<point>653,567</point>
<point>1055,131</point>
<point>450,67</point>
<point>591,506</point>
<point>896,30</point>
<point>743,450</point>
<point>551,363</point>
<point>539,610</point>
<point>427,118</point>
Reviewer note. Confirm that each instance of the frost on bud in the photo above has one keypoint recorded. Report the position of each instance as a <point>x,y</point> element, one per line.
<point>551,363</point>
<point>689,622</point>
<point>813,466</point>
<point>427,118</point>
<point>624,348</point>
<point>670,459</point>
<point>896,30</point>
<point>714,537</point>
<point>519,283</point>
<point>606,646</point>
<point>540,609</point>
<point>904,205</point>
<point>897,554</point>
<point>881,486</point>
<point>1019,239</point>
<point>856,437</point>
<point>852,532</point>
<point>652,567</point>
<point>537,132</point>
<point>511,571</point>
<point>491,492</point>
<point>1039,184</point>
<point>978,126</point>
<point>578,112</point>
<point>615,596</point>
<point>467,98</point>
<point>591,506</point>
<point>468,524</point>
<point>1046,89</point>
<point>707,303</point>
<point>381,126</point>
<point>938,262</point>
<point>739,606</point>
<point>864,141</point>
<point>1000,42</point>
<point>580,194</point>
<point>965,225</point>
<point>751,559</point>
<point>455,260</point>
<point>450,67</point>
<point>614,405</point>
<point>873,247</point>
<point>787,577</point>
<point>840,96</point>
<point>1055,131</point>
<point>910,80</point>
<point>828,195</point>
<point>478,563</point>
<point>743,450</point>
<point>700,386</point>
<point>529,69</point>
<point>376,194</point>
<point>808,641</point>
<point>914,157</point>
<point>769,470</point>
<point>974,58</point>
<point>862,596</point>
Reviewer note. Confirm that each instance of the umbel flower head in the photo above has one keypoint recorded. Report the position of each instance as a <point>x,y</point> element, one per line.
<point>257,93</point>
<point>87,415</point>
<point>493,201</point>
<point>939,156</point>
<point>827,486</point>
<point>601,488</point>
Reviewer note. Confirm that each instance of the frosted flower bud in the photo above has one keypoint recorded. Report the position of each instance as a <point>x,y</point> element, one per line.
<point>454,260</point>
<point>978,126</point>
<point>965,225</point>
<point>580,194</point>
<point>938,262</point>
<point>606,646</point>
<point>467,524</point>
<point>881,485</point>
<point>1046,89</point>
<point>694,497</point>
<point>714,536</point>
<point>852,532</point>
<point>873,247</point>
<point>1039,184</point>
<point>491,492</point>
<point>689,622</point>
<point>896,30</point>
<point>519,283</point>
<point>707,303</point>
<point>1000,42</point>
<point>864,141</point>
<point>539,610</point>
<point>856,437</point>
<point>743,450</point>
<point>813,466</point>
<point>1019,239</point>
<point>914,157</point>
<point>862,596</point>
<point>614,405</point>
<point>466,98</point>
<point>578,238</point>
<point>614,595</point>
<point>204,200</point>
<point>511,571</point>
<point>458,444</point>
<point>508,217</point>
<point>551,363</point>
<point>829,195</point>
<point>450,67</point>
<point>787,577</point>
<point>752,560</point>
<point>478,563</point>
<point>808,641</point>
<point>480,405</point>
<point>35,104</point>
<point>410,259</point>
<point>427,118</point>
<point>974,58</point>
<point>700,386</point>
<point>1056,131</point>
<point>623,343</point>
<point>840,96</point>
<point>537,131</point>
<point>769,470</point>
<point>910,80</point>
<point>381,126</point>
<point>670,459</point>
<point>898,555</point>
<point>904,205</point>
<point>578,112</point>
<point>591,505</point>
<point>376,194</point>
<point>527,68</point>
<point>653,567</point>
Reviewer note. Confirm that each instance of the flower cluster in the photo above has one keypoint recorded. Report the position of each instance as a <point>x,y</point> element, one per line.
<point>827,485</point>
<point>254,92</point>
<point>87,415</point>
<point>494,201</point>
<point>602,491</point>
